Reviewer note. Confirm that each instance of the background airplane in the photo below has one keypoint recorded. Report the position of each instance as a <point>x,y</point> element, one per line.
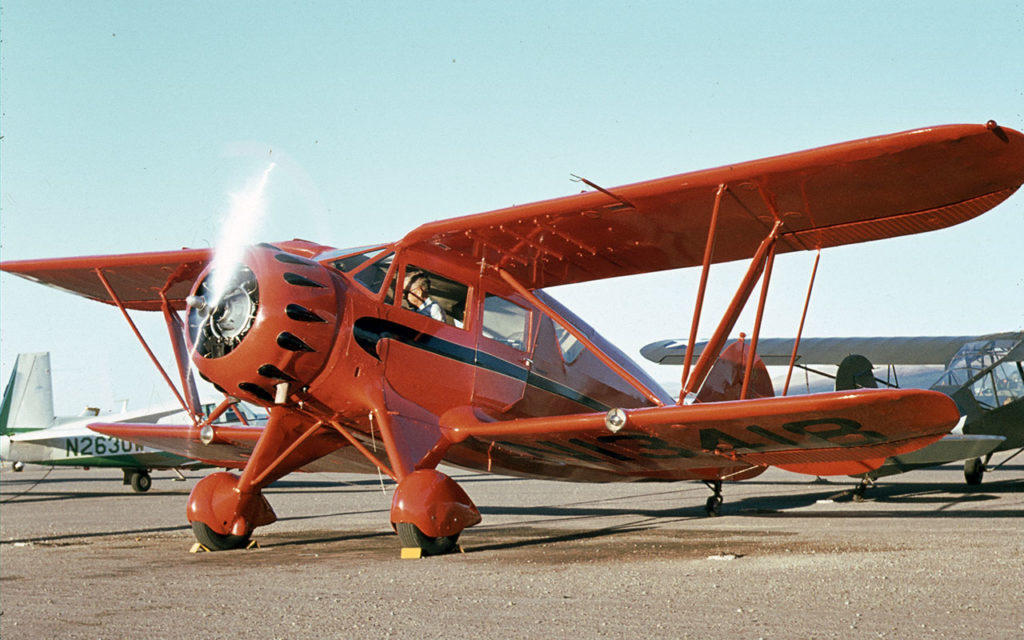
<point>30,433</point>
<point>983,374</point>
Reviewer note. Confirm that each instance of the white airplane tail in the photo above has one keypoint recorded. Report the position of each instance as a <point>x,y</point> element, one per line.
<point>28,397</point>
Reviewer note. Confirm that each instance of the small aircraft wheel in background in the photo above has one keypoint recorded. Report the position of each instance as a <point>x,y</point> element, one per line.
<point>141,482</point>
<point>17,465</point>
<point>857,495</point>
<point>974,470</point>
<point>217,541</point>
<point>411,536</point>
<point>714,506</point>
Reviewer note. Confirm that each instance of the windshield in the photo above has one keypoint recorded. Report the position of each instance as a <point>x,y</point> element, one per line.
<point>994,380</point>
<point>346,260</point>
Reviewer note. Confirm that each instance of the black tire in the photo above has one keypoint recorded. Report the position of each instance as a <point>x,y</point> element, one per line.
<point>411,536</point>
<point>141,482</point>
<point>974,471</point>
<point>217,541</point>
<point>714,506</point>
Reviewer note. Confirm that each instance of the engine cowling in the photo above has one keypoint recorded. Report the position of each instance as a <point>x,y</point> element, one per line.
<point>272,319</point>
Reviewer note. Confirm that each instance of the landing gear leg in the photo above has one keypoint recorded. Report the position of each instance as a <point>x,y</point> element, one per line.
<point>224,508</point>
<point>430,510</point>
<point>713,506</point>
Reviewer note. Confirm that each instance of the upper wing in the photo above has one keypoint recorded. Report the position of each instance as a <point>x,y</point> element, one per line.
<point>138,279</point>
<point>840,194</point>
<point>826,434</point>
<point>938,350</point>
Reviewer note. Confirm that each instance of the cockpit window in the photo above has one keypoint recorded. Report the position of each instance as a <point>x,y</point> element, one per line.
<point>505,321</point>
<point>570,346</point>
<point>372,276</point>
<point>434,296</point>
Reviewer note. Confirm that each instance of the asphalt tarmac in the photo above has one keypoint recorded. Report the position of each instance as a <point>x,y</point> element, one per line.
<point>924,556</point>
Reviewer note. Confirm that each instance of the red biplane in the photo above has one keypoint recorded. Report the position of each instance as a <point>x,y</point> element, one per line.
<point>442,347</point>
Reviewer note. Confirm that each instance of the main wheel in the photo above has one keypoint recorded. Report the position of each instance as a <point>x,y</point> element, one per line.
<point>141,482</point>
<point>217,541</point>
<point>974,470</point>
<point>411,536</point>
<point>714,506</point>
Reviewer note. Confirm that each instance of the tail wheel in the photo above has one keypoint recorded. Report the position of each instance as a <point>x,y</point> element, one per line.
<point>714,506</point>
<point>217,541</point>
<point>974,470</point>
<point>411,536</point>
<point>141,482</point>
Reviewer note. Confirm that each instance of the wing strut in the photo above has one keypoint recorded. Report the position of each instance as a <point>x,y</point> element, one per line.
<point>800,330</point>
<point>579,335</point>
<point>714,346</point>
<point>145,345</point>
<point>176,329</point>
<point>752,354</point>
<point>708,249</point>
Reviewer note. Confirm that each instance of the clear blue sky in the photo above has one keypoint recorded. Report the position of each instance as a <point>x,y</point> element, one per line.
<point>126,124</point>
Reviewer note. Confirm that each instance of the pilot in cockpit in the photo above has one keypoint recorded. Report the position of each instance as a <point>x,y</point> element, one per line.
<point>417,296</point>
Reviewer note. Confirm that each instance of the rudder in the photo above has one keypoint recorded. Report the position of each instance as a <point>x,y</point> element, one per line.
<point>28,397</point>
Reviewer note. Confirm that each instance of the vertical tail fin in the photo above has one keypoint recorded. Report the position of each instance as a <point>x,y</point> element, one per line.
<point>28,397</point>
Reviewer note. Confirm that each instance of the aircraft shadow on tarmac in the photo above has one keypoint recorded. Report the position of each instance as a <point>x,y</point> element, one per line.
<point>35,489</point>
<point>900,500</point>
<point>783,505</point>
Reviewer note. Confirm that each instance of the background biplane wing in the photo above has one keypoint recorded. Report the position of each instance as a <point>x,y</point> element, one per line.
<point>905,350</point>
<point>835,433</point>
<point>845,193</point>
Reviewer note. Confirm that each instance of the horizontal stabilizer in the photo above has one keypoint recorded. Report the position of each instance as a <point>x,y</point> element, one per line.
<point>951,448</point>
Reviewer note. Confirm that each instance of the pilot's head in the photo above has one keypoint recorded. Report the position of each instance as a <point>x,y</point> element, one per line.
<point>416,289</point>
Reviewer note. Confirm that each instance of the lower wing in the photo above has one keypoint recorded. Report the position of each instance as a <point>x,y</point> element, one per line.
<point>825,434</point>
<point>230,446</point>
